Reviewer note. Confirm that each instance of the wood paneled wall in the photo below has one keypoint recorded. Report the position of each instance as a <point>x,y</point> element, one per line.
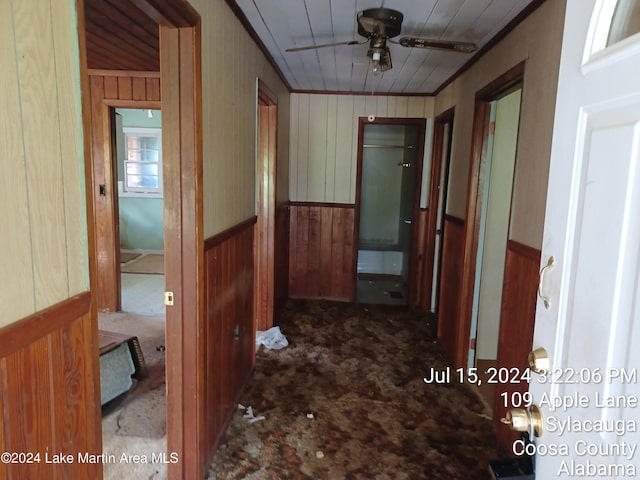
<point>50,399</point>
<point>322,256</point>
<point>120,85</point>
<point>231,62</point>
<point>229,326</point>
<point>281,291</point>
<point>324,140</point>
<point>450,284</point>
<point>517,319</point>
<point>107,90</point>
<point>537,40</point>
<point>43,244</point>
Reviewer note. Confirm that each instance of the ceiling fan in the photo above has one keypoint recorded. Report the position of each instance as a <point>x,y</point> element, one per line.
<point>377,25</point>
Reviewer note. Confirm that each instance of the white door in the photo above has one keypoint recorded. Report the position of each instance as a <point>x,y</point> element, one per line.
<point>591,330</point>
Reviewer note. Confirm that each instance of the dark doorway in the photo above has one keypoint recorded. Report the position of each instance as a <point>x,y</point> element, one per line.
<point>390,166</point>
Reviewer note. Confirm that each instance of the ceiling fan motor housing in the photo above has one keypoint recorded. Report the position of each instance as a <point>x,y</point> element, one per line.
<point>392,20</point>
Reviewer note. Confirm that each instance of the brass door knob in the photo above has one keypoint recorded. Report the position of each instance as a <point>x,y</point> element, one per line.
<point>521,420</point>
<point>539,361</point>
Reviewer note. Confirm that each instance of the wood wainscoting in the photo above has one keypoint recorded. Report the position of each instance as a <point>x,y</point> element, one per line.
<point>50,401</point>
<point>281,291</point>
<point>517,320</point>
<point>229,326</point>
<point>322,259</point>
<point>450,284</point>
<point>109,89</point>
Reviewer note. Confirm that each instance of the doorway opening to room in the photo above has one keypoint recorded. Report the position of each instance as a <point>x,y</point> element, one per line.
<point>140,209</point>
<point>132,340</point>
<point>159,62</point>
<point>270,246</point>
<point>494,199</point>
<point>437,207</point>
<point>390,154</point>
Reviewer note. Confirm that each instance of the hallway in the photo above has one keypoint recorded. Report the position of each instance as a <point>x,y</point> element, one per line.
<point>346,399</point>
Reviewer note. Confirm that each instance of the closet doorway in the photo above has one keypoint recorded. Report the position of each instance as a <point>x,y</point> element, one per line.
<point>390,158</point>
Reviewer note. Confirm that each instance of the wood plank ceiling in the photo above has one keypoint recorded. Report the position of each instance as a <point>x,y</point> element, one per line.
<point>120,36</point>
<point>282,24</point>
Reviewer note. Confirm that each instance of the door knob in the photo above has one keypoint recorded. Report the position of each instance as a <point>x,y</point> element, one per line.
<point>539,361</point>
<point>545,298</point>
<point>521,420</point>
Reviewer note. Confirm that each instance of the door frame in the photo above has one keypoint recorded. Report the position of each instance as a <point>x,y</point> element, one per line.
<point>181,103</point>
<point>484,96</point>
<point>109,216</point>
<point>181,94</point>
<point>266,168</point>
<point>431,227</point>
<point>421,123</point>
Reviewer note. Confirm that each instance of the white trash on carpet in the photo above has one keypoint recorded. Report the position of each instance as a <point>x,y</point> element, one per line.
<point>272,339</point>
<point>248,414</point>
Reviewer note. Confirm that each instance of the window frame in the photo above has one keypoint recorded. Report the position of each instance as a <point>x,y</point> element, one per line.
<point>142,191</point>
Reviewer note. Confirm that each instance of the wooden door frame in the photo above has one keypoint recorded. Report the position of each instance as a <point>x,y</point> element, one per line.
<point>421,123</point>
<point>108,237</point>
<point>266,168</point>
<point>181,80</point>
<point>431,226</point>
<point>480,132</point>
<point>181,103</point>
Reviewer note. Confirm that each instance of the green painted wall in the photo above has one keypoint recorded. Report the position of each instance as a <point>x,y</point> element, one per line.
<point>132,117</point>
<point>141,218</point>
<point>141,223</point>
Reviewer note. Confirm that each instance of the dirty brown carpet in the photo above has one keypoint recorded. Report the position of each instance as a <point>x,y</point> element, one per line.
<point>346,399</point>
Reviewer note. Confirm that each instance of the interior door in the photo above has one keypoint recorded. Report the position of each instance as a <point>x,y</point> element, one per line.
<point>587,316</point>
<point>439,192</point>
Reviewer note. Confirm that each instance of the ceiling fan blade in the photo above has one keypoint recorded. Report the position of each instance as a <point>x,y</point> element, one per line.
<point>313,47</point>
<point>372,25</point>
<point>416,42</point>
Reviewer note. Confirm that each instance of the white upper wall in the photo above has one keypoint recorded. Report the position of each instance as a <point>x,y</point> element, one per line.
<point>43,241</point>
<point>323,145</point>
<point>537,40</point>
<point>231,63</point>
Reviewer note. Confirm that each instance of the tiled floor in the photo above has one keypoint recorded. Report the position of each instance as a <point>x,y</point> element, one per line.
<point>143,294</point>
<point>381,292</point>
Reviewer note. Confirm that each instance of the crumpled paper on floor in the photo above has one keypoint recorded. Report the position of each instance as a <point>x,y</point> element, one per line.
<point>272,339</point>
<point>248,414</point>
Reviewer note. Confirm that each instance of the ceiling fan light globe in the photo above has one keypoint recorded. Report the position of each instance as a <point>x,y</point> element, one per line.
<point>375,60</point>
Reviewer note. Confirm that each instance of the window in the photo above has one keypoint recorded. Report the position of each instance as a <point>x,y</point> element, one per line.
<point>615,21</point>
<point>625,22</point>
<point>143,160</point>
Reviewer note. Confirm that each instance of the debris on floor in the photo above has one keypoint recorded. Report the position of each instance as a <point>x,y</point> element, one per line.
<point>272,339</point>
<point>248,414</point>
